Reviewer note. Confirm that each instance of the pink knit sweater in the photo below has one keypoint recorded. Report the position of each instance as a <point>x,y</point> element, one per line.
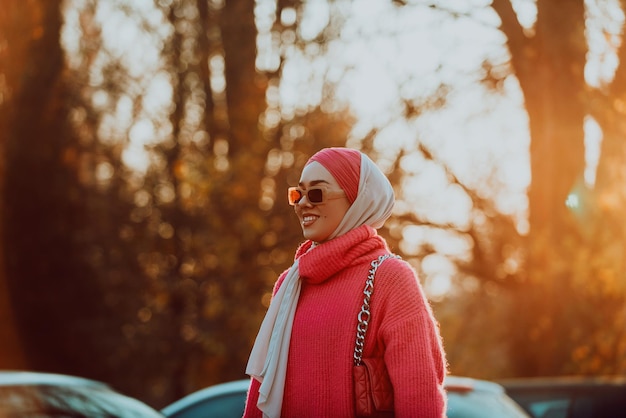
<point>319,369</point>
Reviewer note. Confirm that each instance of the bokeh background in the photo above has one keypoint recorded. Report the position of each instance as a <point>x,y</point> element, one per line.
<point>146,147</point>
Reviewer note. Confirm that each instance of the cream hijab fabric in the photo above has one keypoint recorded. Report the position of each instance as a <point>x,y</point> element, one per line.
<point>268,359</point>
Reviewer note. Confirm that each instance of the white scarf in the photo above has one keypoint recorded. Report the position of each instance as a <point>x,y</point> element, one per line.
<point>268,359</point>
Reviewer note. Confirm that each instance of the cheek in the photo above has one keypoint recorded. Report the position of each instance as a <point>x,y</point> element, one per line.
<point>334,219</point>
<point>342,210</point>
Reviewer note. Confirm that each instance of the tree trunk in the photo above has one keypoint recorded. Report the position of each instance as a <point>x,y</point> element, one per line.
<point>245,89</point>
<point>22,27</point>
<point>550,68</point>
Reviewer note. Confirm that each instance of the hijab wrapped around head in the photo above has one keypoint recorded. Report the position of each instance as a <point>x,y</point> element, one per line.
<point>371,197</point>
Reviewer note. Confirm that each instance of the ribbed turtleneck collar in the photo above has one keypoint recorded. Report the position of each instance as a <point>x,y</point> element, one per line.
<point>328,258</point>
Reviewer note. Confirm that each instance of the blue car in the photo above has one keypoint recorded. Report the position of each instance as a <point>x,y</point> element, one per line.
<point>467,398</point>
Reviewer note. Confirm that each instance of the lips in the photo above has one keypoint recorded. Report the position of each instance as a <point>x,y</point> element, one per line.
<point>307,220</point>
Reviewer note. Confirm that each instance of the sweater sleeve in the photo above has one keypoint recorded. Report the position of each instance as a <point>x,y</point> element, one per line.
<point>413,349</point>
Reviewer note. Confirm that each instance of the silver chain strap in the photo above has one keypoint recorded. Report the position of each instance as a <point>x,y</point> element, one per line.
<point>365,314</point>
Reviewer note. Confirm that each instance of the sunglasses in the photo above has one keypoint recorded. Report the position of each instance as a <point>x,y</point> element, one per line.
<point>315,195</point>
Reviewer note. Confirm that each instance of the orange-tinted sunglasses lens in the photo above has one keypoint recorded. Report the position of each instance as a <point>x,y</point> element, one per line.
<point>294,195</point>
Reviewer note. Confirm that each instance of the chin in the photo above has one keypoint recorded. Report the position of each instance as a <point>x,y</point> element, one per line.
<point>312,236</point>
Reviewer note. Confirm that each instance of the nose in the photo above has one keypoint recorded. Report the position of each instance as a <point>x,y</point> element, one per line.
<point>304,201</point>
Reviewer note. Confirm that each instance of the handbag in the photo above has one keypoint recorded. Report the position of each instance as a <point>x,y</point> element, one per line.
<point>373,392</point>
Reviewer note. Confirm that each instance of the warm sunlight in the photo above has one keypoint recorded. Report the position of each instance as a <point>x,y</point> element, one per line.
<point>149,240</point>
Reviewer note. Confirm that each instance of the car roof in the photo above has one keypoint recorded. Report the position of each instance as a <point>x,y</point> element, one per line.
<point>236,386</point>
<point>15,378</point>
<point>467,384</point>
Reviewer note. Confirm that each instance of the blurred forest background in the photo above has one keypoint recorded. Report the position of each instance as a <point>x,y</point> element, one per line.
<point>146,147</point>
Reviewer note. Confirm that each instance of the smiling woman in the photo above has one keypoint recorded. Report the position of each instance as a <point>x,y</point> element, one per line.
<point>304,354</point>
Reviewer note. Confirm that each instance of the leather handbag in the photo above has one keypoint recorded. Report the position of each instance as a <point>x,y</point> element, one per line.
<point>373,392</point>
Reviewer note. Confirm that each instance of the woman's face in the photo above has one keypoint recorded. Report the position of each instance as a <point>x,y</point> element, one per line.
<point>320,220</point>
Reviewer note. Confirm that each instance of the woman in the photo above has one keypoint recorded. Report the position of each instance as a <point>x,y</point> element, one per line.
<point>301,363</point>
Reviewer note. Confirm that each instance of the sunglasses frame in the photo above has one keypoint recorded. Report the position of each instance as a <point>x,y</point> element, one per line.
<point>326,194</point>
